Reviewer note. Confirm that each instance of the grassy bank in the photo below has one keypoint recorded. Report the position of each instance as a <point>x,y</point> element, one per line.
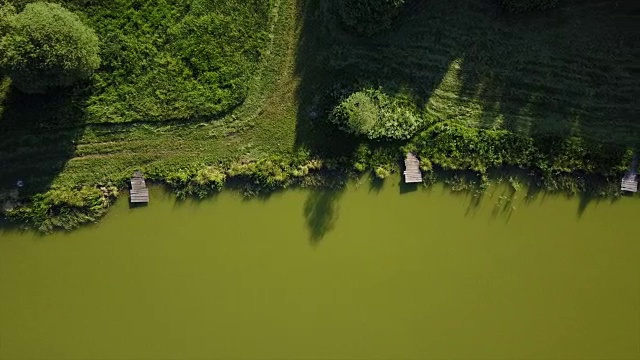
<point>549,92</point>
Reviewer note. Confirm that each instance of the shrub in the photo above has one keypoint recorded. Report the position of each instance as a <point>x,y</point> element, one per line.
<point>274,172</point>
<point>358,114</point>
<point>382,172</point>
<point>47,46</point>
<point>367,17</point>
<point>65,208</point>
<point>375,115</point>
<point>201,183</point>
<point>458,147</point>
<point>7,12</point>
<point>517,6</point>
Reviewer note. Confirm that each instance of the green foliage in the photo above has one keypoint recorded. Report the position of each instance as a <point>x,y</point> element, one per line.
<point>65,208</point>
<point>457,147</point>
<point>382,172</point>
<point>201,183</point>
<point>367,17</point>
<point>358,114</point>
<point>517,6</point>
<point>274,172</point>
<point>556,155</point>
<point>381,159</point>
<point>46,46</point>
<point>175,59</point>
<point>373,114</point>
<point>362,158</point>
<point>7,12</point>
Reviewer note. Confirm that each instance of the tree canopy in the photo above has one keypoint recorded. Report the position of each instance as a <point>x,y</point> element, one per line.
<point>46,46</point>
<point>374,114</point>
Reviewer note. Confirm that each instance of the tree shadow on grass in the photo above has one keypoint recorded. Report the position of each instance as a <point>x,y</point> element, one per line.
<point>38,135</point>
<point>321,212</point>
<point>563,72</point>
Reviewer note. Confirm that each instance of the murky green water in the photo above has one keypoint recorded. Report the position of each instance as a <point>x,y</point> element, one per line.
<point>364,274</point>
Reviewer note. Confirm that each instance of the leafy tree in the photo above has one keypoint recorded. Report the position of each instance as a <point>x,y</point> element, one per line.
<point>373,114</point>
<point>367,17</point>
<point>7,11</point>
<point>47,46</point>
<point>357,114</point>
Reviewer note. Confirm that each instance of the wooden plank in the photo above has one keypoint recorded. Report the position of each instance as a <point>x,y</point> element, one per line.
<point>139,192</point>
<point>629,182</point>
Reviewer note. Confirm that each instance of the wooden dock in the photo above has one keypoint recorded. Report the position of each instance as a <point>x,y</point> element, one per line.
<point>139,193</point>
<point>630,179</point>
<point>412,173</point>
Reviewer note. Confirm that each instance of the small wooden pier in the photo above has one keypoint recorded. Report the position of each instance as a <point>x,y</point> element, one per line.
<point>630,179</point>
<point>412,172</point>
<point>139,193</point>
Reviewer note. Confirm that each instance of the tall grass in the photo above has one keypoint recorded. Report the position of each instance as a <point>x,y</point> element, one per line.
<point>171,59</point>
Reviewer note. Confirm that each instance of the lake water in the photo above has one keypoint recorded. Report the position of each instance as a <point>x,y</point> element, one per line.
<point>367,273</point>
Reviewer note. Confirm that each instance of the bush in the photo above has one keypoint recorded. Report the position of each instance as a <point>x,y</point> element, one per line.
<point>65,208</point>
<point>457,147</point>
<point>201,183</point>
<point>382,172</point>
<point>375,115</point>
<point>367,17</point>
<point>7,12</point>
<point>47,46</point>
<point>274,172</point>
<point>358,114</point>
<point>517,6</point>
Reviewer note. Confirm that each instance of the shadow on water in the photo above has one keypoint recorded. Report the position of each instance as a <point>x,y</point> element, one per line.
<point>405,188</point>
<point>375,184</point>
<point>321,212</point>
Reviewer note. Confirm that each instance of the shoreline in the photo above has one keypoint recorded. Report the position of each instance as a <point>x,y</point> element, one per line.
<point>68,209</point>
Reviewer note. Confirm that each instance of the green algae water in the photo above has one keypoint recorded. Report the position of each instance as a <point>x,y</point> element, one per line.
<point>366,273</point>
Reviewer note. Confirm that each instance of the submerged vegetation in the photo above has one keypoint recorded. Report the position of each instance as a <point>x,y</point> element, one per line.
<point>265,94</point>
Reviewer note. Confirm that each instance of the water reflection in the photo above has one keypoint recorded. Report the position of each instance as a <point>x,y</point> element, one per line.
<point>321,212</point>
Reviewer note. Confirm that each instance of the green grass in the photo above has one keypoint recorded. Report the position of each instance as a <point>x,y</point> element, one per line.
<point>170,59</point>
<point>46,142</point>
<point>569,71</point>
<point>566,75</point>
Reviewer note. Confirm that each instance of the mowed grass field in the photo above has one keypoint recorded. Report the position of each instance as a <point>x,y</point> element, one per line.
<point>55,139</point>
<point>571,71</point>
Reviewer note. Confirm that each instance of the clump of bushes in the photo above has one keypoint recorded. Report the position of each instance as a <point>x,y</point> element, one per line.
<point>383,160</point>
<point>560,162</point>
<point>201,183</point>
<point>457,147</point>
<point>46,46</point>
<point>275,172</point>
<point>367,17</point>
<point>64,208</point>
<point>518,6</point>
<point>375,115</point>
